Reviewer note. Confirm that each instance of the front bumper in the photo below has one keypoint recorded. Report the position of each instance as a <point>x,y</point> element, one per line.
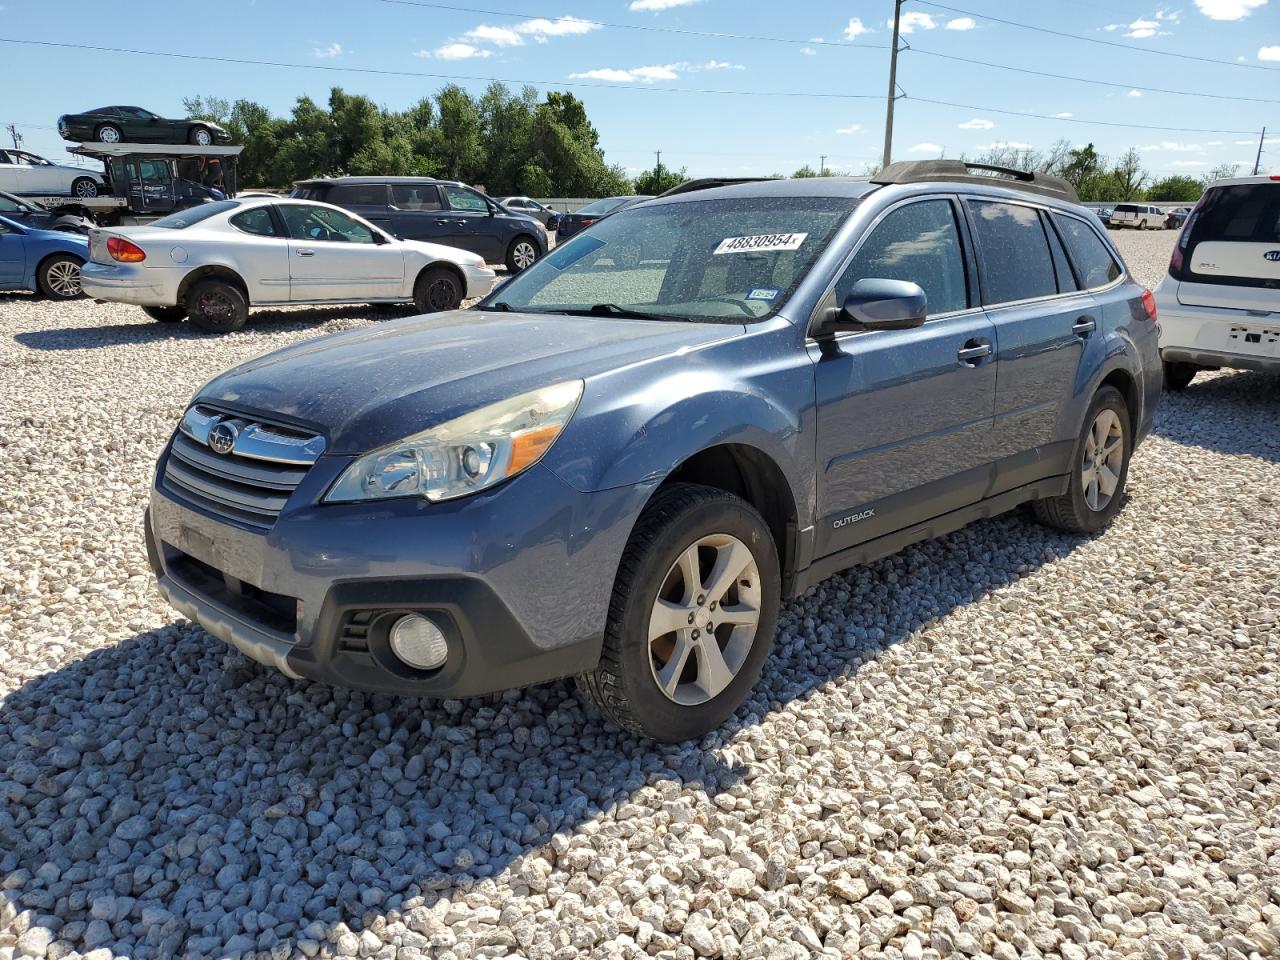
<point>518,578</point>
<point>479,280</point>
<point>131,283</point>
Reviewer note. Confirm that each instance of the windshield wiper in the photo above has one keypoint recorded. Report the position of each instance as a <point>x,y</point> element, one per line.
<point>613,310</point>
<point>500,307</point>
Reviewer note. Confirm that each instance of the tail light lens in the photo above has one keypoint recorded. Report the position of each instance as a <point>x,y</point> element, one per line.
<point>1149,304</point>
<point>1178,257</point>
<point>587,221</point>
<point>124,250</point>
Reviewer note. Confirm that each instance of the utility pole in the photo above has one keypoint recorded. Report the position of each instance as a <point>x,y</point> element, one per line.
<point>822,166</point>
<point>658,166</point>
<point>1257,161</point>
<point>893,84</point>
<point>17,137</point>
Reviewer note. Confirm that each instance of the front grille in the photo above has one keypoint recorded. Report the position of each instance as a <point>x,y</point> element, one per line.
<point>269,611</point>
<point>248,485</point>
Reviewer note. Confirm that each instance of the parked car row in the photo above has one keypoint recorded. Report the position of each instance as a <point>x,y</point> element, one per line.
<point>41,260</point>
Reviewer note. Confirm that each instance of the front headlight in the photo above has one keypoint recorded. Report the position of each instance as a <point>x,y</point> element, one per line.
<point>462,456</point>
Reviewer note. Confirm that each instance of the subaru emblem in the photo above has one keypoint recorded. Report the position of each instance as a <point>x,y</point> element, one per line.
<point>1272,255</point>
<point>222,437</point>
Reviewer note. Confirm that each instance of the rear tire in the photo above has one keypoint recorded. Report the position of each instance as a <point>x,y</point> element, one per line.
<point>437,289</point>
<point>84,187</point>
<point>59,277</point>
<point>217,306</point>
<point>165,314</point>
<point>1178,375</point>
<point>522,253</point>
<point>108,133</point>
<point>678,684</point>
<point>200,137</point>
<point>1142,224</point>
<point>1099,467</point>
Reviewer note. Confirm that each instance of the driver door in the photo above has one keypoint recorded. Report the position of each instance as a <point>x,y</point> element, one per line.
<point>333,256</point>
<point>12,258</point>
<point>470,224</point>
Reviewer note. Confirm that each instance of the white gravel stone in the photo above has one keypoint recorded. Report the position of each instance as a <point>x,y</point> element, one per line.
<point>1007,742</point>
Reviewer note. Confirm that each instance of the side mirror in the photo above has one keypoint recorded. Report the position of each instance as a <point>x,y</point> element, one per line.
<point>874,304</point>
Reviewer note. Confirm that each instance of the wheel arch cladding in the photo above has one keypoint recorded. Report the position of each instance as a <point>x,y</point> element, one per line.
<point>211,271</point>
<point>1124,381</point>
<point>453,268</point>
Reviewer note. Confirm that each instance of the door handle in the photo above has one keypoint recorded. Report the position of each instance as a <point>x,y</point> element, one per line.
<point>442,220</point>
<point>973,352</point>
<point>306,253</point>
<point>1084,326</point>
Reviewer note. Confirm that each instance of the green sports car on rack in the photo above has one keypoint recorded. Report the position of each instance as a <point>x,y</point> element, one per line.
<point>135,125</point>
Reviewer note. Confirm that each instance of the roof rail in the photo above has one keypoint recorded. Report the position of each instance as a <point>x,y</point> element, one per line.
<point>706,183</point>
<point>963,171</point>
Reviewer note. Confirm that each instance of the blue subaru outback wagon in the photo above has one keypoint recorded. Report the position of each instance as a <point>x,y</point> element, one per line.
<point>618,464</point>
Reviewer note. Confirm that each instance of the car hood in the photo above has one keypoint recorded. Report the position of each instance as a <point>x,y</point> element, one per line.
<point>77,241</point>
<point>367,388</point>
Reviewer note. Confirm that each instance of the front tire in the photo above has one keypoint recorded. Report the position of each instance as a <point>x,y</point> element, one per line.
<point>437,289</point>
<point>216,306</point>
<point>200,136</point>
<point>1099,467</point>
<point>84,187</point>
<point>1178,376</point>
<point>165,314</point>
<point>108,133</point>
<point>692,617</point>
<point>59,277</point>
<point>522,254</point>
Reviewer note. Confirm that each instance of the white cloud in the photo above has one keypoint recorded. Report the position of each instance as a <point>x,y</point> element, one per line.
<point>655,5</point>
<point>925,147</point>
<point>1173,147</point>
<point>809,51</point>
<point>961,23</point>
<point>324,53</point>
<point>631,75</point>
<point>820,39</point>
<point>1166,15</point>
<point>1063,115</point>
<point>1189,163</point>
<point>1269,53</point>
<point>538,29</point>
<point>977,123</point>
<point>455,51</point>
<point>714,64</point>
<point>913,21</point>
<point>1004,145</point>
<point>1135,93</point>
<point>851,128</point>
<point>855,29</point>
<point>1228,9</point>
<point>1113,27</point>
<point>1142,29</point>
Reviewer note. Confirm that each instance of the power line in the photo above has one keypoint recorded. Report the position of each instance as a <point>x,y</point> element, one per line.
<point>241,61</point>
<point>1102,83</point>
<point>651,28</point>
<point>1099,40</point>
<point>1092,123</point>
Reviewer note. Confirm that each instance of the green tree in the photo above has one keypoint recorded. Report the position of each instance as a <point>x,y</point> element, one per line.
<point>805,172</point>
<point>1129,175</point>
<point>1177,189</point>
<point>659,180</point>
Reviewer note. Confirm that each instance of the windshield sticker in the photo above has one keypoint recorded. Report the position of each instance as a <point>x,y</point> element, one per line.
<point>762,293</point>
<point>760,244</point>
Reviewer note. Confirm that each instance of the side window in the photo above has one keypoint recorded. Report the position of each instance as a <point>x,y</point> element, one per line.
<point>1061,265</point>
<point>917,242</point>
<point>1013,252</point>
<point>415,196</point>
<point>320,223</point>
<point>1094,262</point>
<point>9,206</point>
<point>358,195</point>
<point>256,221</point>
<point>461,198</point>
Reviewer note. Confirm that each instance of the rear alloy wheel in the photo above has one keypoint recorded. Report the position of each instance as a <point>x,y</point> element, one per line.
<point>200,136</point>
<point>1178,376</point>
<point>1142,224</point>
<point>522,254</point>
<point>84,187</point>
<point>1096,487</point>
<point>692,617</point>
<point>216,306</point>
<point>165,314</point>
<point>437,289</point>
<point>59,277</point>
<point>108,133</point>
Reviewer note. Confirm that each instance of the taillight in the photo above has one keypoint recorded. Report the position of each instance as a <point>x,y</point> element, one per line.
<point>587,221</point>
<point>124,250</point>
<point>1149,304</point>
<point>1178,257</point>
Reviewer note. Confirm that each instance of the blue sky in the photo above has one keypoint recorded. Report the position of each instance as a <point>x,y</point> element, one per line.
<point>637,83</point>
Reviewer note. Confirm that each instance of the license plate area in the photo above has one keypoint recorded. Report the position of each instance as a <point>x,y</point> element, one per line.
<point>1257,340</point>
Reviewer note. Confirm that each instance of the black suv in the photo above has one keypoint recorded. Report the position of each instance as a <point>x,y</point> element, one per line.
<point>438,211</point>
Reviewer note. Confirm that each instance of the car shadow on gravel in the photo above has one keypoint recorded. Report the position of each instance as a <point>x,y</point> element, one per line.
<point>166,797</point>
<point>1233,412</point>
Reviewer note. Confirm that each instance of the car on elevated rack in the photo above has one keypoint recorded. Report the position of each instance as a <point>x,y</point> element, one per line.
<point>136,125</point>
<point>213,262</point>
<point>25,173</point>
<point>42,261</point>
<point>619,463</point>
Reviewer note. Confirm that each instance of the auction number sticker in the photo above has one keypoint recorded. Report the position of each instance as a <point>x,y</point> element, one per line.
<point>760,244</point>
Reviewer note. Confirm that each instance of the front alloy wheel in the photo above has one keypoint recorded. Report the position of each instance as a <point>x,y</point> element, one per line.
<point>522,255</point>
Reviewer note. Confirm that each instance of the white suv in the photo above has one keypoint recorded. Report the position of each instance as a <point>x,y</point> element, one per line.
<point>1139,215</point>
<point>1219,306</point>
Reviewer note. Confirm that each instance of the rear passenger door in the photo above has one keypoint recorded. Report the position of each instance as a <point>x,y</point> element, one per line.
<point>1043,323</point>
<point>904,416</point>
<point>13,258</point>
<point>417,214</point>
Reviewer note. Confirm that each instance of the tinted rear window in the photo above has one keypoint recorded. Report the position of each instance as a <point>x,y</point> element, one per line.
<point>1013,252</point>
<point>1126,208</point>
<point>415,196</point>
<point>607,205</point>
<point>1093,261</point>
<point>1248,213</point>
<point>358,195</point>
<point>186,218</point>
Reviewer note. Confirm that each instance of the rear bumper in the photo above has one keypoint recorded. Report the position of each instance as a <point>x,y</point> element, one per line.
<point>129,283</point>
<point>1216,336</point>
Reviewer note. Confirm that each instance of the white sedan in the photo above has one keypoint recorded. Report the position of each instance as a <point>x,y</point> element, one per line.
<point>213,262</point>
<point>25,173</point>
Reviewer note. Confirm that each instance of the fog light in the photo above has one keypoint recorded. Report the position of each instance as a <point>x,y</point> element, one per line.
<point>418,642</point>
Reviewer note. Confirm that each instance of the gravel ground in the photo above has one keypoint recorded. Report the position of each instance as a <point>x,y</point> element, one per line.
<point>1007,742</point>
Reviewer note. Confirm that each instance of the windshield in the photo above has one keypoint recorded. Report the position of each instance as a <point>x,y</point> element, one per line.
<point>736,260</point>
<point>185,218</point>
<point>603,206</point>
